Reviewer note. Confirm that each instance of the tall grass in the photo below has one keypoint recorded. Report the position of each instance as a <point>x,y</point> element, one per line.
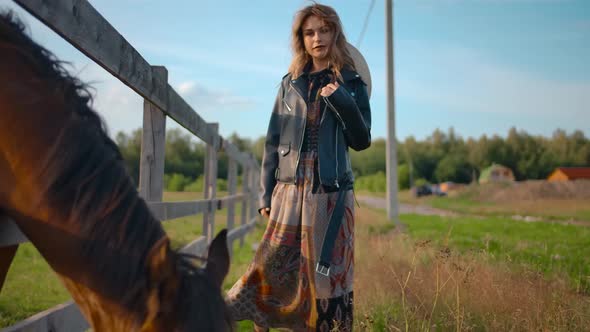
<point>405,284</point>
<point>551,249</point>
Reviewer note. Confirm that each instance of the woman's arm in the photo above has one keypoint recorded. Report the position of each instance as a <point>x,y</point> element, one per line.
<point>354,115</point>
<point>270,157</point>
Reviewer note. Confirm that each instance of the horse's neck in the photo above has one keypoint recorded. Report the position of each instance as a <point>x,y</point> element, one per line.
<point>111,286</point>
<point>101,313</point>
<point>98,244</point>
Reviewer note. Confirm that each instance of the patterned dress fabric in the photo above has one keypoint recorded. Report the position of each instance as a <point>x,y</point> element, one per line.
<point>281,288</point>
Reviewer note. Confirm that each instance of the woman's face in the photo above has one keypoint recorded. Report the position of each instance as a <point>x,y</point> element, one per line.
<point>317,37</point>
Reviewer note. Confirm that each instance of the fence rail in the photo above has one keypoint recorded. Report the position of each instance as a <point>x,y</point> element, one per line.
<point>84,27</point>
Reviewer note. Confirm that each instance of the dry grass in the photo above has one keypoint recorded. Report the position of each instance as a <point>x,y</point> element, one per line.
<point>403,285</point>
<point>535,189</point>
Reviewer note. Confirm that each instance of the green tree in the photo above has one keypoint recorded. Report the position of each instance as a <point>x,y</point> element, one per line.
<point>439,157</point>
<point>369,161</point>
<point>130,147</point>
<point>403,176</point>
<point>453,168</point>
<point>258,148</point>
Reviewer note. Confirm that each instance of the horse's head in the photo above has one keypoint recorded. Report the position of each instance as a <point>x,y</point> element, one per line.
<point>193,301</point>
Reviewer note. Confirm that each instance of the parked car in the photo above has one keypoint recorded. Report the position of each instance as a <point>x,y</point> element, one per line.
<point>423,190</point>
<point>427,190</point>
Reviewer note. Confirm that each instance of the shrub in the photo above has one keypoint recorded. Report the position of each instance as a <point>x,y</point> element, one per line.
<point>176,182</point>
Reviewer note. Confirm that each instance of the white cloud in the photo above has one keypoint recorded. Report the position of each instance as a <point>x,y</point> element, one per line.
<point>122,108</point>
<point>206,99</point>
<point>185,87</point>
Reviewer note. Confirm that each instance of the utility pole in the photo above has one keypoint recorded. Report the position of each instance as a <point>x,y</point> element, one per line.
<point>391,150</point>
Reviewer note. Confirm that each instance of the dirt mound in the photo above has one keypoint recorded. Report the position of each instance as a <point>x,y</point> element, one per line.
<point>532,190</point>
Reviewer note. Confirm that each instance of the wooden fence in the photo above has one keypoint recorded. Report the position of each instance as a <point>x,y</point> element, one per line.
<point>83,27</point>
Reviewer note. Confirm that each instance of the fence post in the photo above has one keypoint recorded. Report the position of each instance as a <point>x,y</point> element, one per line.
<point>253,191</point>
<point>245,199</point>
<point>256,185</point>
<point>232,181</point>
<point>153,143</point>
<point>210,189</point>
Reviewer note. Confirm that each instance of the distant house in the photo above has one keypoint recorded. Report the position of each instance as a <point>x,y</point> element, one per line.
<point>569,173</point>
<point>496,173</point>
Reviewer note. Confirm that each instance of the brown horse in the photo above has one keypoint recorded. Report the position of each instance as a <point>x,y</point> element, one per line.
<point>63,181</point>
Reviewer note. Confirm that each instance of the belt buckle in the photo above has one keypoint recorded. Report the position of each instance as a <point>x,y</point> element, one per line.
<point>323,270</point>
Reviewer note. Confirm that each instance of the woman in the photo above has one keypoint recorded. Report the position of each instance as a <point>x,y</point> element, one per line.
<point>301,276</point>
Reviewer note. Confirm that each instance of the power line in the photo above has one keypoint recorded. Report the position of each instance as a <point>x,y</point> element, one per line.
<point>362,35</point>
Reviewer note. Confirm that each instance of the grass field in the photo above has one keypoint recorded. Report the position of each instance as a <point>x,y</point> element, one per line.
<point>443,274</point>
<point>553,249</point>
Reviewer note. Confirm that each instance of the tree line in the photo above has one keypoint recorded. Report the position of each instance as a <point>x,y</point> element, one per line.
<point>440,157</point>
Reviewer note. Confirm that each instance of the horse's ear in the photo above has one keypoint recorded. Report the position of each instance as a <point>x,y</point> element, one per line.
<point>218,259</point>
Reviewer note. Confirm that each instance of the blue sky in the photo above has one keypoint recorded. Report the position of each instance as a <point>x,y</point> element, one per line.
<point>480,66</point>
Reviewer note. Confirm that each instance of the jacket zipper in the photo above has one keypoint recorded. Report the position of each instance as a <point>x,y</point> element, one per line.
<point>285,102</point>
<point>336,148</point>
<point>336,184</point>
<point>328,103</point>
<point>303,134</point>
<point>335,112</point>
<point>324,114</point>
<point>319,163</point>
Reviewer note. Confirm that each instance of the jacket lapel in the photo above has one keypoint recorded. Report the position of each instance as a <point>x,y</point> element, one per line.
<point>300,85</point>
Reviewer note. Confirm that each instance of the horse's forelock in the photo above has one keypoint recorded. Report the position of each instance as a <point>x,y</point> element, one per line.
<point>196,302</point>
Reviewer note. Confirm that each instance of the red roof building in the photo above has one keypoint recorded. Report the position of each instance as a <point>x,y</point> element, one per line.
<point>569,173</point>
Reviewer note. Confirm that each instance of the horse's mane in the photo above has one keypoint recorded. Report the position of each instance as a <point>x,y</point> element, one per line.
<point>83,178</point>
<point>49,67</point>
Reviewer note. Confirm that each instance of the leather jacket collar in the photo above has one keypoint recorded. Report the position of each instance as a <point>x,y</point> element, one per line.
<point>300,82</point>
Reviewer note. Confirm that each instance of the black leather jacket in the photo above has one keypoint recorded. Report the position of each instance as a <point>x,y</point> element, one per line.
<point>346,122</point>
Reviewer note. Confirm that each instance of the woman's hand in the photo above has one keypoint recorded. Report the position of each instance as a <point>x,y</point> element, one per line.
<point>329,89</point>
<point>265,212</point>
